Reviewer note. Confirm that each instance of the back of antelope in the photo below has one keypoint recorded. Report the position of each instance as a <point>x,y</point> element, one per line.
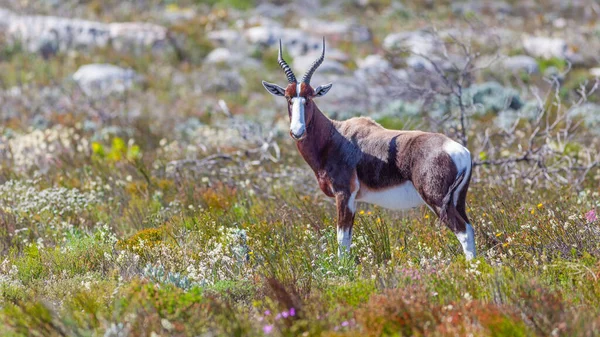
<point>359,160</point>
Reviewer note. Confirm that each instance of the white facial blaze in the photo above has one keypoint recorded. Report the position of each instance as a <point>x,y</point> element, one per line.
<point>298,125</point>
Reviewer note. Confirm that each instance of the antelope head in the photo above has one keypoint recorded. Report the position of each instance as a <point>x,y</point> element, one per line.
<point>299,95</point>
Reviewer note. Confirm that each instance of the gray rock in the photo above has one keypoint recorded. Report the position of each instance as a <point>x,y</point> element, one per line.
<point>595,72</point>
<point>217,80</point>
<point>5,17</point>
<point>490,7</point>
<point>521,63</point>
<point>545,47</point>
<point>417,42</point>
<point>51,34</point>
<point>175,15</point>
<point>99,80</point>
<point>419,63</point>
<point>219,55</point>
<point>374,61</point>
<point>231,58</point>
<point>271,10</point>
<point>225,38</point>
<point>295,41</point>
<point>345,30</point>
<point>303,63</point>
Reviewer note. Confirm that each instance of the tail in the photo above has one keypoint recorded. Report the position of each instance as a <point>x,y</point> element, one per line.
<point>448,197</point>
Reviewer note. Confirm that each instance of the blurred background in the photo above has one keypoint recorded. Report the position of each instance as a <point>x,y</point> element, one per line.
<point>188,73</point>
<point>144,168</point>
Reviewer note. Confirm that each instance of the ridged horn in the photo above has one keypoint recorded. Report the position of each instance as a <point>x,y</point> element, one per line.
<point>286,68</point>
<point>314,66</point>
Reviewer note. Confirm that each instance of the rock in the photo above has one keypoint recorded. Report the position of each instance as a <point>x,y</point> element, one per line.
<point>266,9</point>
<point>521,63</point>
<point>545,47</point>
<point>295,41</point>
<point>98,80</point>
<point>231,58</point>
<point>137,35</point>
<point>419,63</point>
<point>5,17</point>
<point>174,14</point>
<point>374,61</point>
<point>481,7</point>
<point>417,42</point>
<point>303,63</point>
<point>420,44</point>
<point>345,30</point>
<point>559,23</point>
<point>219,55</point>
<point>217,80</point>
<point>225,38</point>
<point>595,72</point>
<point>51,34</point>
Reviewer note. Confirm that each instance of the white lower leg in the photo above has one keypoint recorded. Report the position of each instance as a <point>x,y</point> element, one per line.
<point>467,240</point>
<point>344,239</point>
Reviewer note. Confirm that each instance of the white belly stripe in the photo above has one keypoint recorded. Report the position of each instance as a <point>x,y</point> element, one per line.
<point>400,197</point>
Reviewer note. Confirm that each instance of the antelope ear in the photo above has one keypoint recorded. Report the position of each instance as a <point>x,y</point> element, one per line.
<point>322,89</point>
<point>274,89</point>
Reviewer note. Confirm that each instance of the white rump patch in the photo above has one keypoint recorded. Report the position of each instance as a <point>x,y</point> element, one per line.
<point>400,197</point>
<point>462,159</point>
<point>467,240</point>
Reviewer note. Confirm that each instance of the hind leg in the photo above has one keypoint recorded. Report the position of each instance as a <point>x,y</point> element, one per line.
<point>466,238</point>
<point>434,187</point>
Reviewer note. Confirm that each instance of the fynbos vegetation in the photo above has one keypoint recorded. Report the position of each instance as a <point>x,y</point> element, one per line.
<point>149,185</point>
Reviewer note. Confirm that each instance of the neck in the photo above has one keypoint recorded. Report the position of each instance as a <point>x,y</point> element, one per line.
<point>318,135</point>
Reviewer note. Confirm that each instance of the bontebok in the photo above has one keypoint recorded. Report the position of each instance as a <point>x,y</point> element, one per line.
<point>359,160</point>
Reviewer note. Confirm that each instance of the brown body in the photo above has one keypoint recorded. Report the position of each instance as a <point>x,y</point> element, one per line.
<point>341,151</point>
<point>359,160</point>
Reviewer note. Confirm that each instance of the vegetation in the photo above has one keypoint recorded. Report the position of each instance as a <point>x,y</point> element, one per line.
<point>182,208</point>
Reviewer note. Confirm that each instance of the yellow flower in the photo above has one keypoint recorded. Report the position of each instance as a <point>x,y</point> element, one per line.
<point>361,212</point>
<point>498,235</point>
<point>502,211</point>
<point>369,213</point>
<point>505,244</point>
<point>426,216</point>
<point>532,211</point>
<point>378,219</point>
<point>540,205</point>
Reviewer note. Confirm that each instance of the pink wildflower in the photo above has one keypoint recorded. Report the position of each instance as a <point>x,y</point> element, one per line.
<point>267,329</point>
<point>591,216</point>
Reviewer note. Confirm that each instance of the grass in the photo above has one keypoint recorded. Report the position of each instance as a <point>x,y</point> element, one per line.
<point>104,233</point>
<point>249,254</point>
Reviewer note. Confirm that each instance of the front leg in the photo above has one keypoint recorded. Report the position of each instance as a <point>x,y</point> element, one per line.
<point>346,208</point>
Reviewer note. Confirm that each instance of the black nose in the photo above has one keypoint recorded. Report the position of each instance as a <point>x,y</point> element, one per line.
<point>297,137</point>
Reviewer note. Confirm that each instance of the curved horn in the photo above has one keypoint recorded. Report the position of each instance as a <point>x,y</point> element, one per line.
<point>288,71</point>
<point>315,65</point>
